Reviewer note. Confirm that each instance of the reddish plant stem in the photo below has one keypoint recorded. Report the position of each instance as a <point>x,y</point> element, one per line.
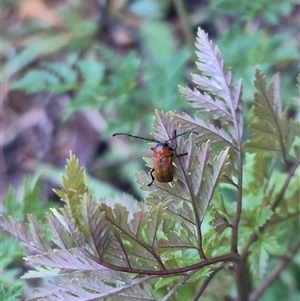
<point>205,283</point>
<point>230,257</point>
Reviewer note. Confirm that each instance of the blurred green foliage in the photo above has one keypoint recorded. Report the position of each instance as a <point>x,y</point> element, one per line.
<point>270,10</point>
<point>19,204</point>
<point>139,81</point>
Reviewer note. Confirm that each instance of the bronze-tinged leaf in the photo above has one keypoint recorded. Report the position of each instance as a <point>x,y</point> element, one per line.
<point>96,285</point>
<point>99,229</point>
<point>215,96</point>
<point>220,223</point>
<point>73,259</point>
<point>206,131</point>
<point>182,238</point>
<point>61,236</point>
<point>137,235</point>
<point>32,235</point>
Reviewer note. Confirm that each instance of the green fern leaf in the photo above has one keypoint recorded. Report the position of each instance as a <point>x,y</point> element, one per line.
<point>257,174</point>
<point>11,294</point>
<point>259,256</point>
<point>52,77</point>
<point>272,132</point>
<point>74,190</point>
<point>63,71</point>
<point>192,170</point>
<point>36,81</point>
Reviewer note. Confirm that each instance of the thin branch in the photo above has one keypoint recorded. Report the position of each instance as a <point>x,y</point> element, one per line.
<point>240,270</point>
<point>178,285</point>
<point>230,257</point>
<point>239,204</point>
<point>234,242</point>
<point>205,283</point>
<point>277,271</point>
<point>286,183</point>
<point>272,221</point>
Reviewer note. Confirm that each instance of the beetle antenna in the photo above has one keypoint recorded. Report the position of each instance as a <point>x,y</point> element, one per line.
<point>175,136</point>
<point>138,137</point>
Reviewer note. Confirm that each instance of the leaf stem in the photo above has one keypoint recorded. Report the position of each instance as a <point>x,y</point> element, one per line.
<point>230,257</point>
<point>280,195</point>
<point>234,242</point>
<point>178,285</point>
<point>240,269</point>
<point>197,217</point>
<point>205,283</point>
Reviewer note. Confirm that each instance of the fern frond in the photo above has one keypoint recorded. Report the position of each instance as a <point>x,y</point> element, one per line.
<point>137,236</point>
<point>217,99</point>
<point>52,77</point>
<point>183,238</point>
<point>206,131</point>
<point>97,226</point>
<point>14,292</point>
<point>73,259</point>
<point>272,132</point>
<point>74,189</point>
<point>260,253</point>
<point>61,234</point>
<point>219,116</point>
<point>63,71</point>
<point>213,176</point>
<point>96,286</point>
<point>32,235</point>
<point>192,169</point>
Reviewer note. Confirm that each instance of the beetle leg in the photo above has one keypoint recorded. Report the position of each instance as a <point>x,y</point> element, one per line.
<point>151,174</point>
<point>180,155</point>
<point>173,147</point>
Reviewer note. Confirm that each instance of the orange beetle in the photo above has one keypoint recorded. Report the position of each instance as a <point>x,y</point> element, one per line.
<point>162,158</point>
